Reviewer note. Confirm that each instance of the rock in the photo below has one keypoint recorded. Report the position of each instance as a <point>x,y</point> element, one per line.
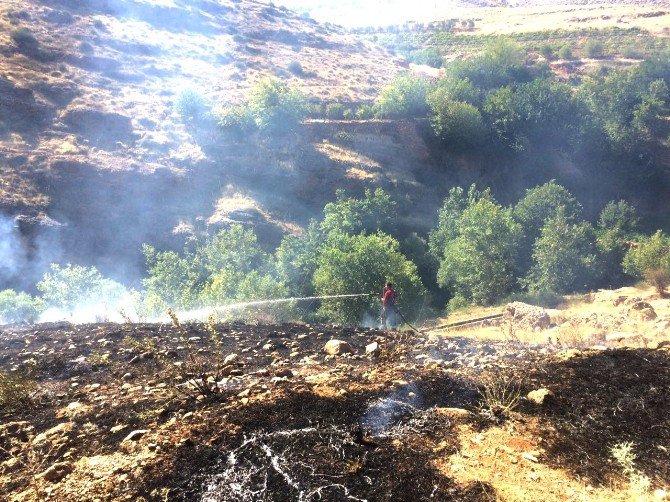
<point>642,311</point>
<point>660,494</point>
<point>58,430</point>
<point>372,349</point>
<point>231,359</point>
<point>540,396</point>
<point>526,316</point>
<point>618,336</point>
<point>452,412</point>
<point>127,376</point>
<point>337,348</point>
<point>284,373</point>
<point>57,472</point>
<point>135,435</point>
<point>117,428</point>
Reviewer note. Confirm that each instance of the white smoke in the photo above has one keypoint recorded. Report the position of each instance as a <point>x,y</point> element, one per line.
<point>12,251</point>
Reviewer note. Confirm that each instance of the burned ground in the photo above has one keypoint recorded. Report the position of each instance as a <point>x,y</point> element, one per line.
<point>291,423</point>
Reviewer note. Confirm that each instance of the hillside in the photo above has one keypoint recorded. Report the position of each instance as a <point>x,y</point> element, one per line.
<point>89,140</point>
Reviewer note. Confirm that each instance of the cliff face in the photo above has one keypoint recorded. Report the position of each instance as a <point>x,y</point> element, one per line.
<point>91,151</point>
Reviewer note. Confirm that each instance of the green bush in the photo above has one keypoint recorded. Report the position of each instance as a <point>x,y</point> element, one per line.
<point>546,51</point>
<point>429,57</point>
<point>275,107</point>
<point>72,286</point>
<point>651,260</point>
<point>296,68</point>
<point>405,96</point>
<point>565,52</point>
<point>348,114</point>
<point>365,112</point>
<point>594,48</point>
<point>335,111</point>
<point>19,307</point>
<point>236,120</point>
<point>459,125</point>
<point>24,38</point>
<point>190,104</point>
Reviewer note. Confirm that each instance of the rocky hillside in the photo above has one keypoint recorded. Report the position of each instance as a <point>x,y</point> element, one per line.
<point>90,146</point>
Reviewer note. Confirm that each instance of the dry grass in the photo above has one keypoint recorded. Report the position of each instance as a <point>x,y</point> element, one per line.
<point>16,392</point>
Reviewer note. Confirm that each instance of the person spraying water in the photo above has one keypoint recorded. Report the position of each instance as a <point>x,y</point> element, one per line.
<point>389,313</point>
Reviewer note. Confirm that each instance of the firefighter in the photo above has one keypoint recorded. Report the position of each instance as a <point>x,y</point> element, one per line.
<point>389,316</point>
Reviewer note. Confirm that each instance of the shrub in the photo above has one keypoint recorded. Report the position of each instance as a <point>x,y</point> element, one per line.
<point>275,107</point>
<point>650,259</point>
<point>594,48</point>
<point>348,114</point>
<point>458,124</point>
<point>565,52</point>
<point>632,52</point>
<point>73,286</point>
<point>365,112</point>
<point>16,392</point>
<point>24,38</point>
<point>404,97</point>
<point>236,119</point>
<point>335,111</point>
<point>429,57</point>
<point>546,51</point>
<point>190,104</point>
<point>296,68</point>
<point>19,307</point>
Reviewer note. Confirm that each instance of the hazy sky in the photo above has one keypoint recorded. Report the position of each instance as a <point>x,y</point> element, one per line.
<point>372,12</point>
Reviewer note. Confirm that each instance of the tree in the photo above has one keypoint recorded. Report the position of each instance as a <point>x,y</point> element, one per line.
<point>458,124</point>
<point>18,307</point>
<point>565,256</point>
<point>532,212</point>
<point>361,264</point>
<point>478,265</point>
<point>174,281</point>
<point>375,211</point>
<point>651,260</point>
<point>297,259</point>
<point>454,90</point>
<point>617,224</point>
<point>276,108</point>
<point>73,286</point>
<point>405,96</point>
<point>234,248</point>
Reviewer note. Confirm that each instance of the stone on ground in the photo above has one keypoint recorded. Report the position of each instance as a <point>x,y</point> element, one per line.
<point>337,347</point>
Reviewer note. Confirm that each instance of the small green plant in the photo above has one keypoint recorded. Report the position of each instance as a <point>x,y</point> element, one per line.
<point>19,307</point>
<point>343,136</point>
<point>565,52</point>
<point>625,456</point>
<point>335,111</point>
<point>547,51</point>
<point>16,392</point>
<point>190,104</point>
<point>236,119</point>
<point>594,48</point>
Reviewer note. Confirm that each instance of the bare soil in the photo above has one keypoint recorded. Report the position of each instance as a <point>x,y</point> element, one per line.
<point>405,424</point>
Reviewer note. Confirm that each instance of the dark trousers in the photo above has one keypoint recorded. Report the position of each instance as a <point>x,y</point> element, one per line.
<point>389,317</point>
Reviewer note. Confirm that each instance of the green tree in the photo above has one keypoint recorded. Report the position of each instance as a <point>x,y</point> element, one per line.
<point>173,281</point>
<point>478,265</point>
<point>297,259</point>
<point>405,96</point>
<point>532,212</point>
<point>565,256</point>
<point>18,307</point>
<point>617,224</point>
<point>651,260</point>
<point>234,248</point>
<point>73,286</point>
<point>276,108</point>
<point>375,211</point>
<point>360,264</point>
